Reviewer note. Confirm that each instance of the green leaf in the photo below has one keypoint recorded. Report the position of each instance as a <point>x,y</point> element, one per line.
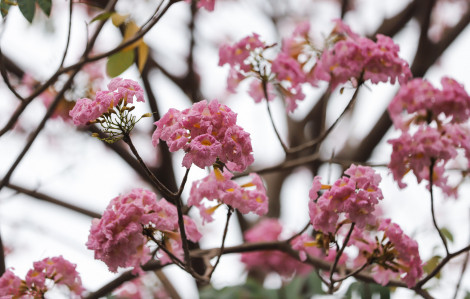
<point>119,62</point>
<point>315,284</point>
<point>294,288</point>
<point>4,7</point>
<point>102,16</point>
<point>431,264</point>
<point>378,289</point>
<point>27,8</point>
<point>45,5</point>
<point>467,295</point>
<point>447,234</point>
<point>251,289</point>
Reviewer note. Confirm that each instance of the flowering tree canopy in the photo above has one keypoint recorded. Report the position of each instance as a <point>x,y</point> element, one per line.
<point>255,149</point>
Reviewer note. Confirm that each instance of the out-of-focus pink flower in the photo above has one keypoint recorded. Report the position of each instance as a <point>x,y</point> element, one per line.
<point>237,54</point>
<point>257,93</point>
<point>354,57</point>
<point>415,152</point>
<point>206,131</point>
<point>287,68</point>
<point>56,269</point>
<point>207,4</point>
<point>424,103</point>
<point>218,187</point>
<point>10,285</point>
<point>272,260</point>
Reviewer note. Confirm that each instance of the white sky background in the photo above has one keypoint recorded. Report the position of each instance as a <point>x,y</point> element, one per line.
<point>77,168</point>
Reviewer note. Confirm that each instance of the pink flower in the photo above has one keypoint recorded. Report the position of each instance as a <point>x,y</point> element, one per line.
<point>237,54</point>
<point>206,131</point>
<point>416,152</point>
<point>55,269</point>
<point>354,197</point>
<point>353,56</point>
<point>126,89</point>
<point>207,4</point>
<point>407,252</point>
<point>58,270</point>
<point>287,68</point>
<point>306,245</point>
<point>87,110</point>
<point>118,237</point>
<point>257,93</point>
<point>218,187</point>
<point>272,260</point>
<point>202,151</point>
<point>10,285</point>
<point>419,98</point>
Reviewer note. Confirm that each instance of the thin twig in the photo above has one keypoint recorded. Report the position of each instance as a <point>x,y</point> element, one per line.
<point>68,36</point>
<point>183,183</point>
<point>299,233</point>
<point>4,73</point>
<point>38,130</point>
<point>265,91</point>
<point>438,268</point>
<point>441,235</point>
<point>338,255</point>
<point>229,214</point>
<point>167,284</point>
<point>353,273</point>
<point>126,276</point>
<point>462,272</point>
<point>184,239</point>
<point>55,201</point>
<point>159,185</point>
<point>328,131</point>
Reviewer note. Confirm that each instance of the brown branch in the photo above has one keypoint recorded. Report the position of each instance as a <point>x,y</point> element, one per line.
<point>167,284</point>
<point>52,200</point>
<point>155,181</point>
<point>126,276</point>
<point>39,128</point>
<point>2,258</point>
<point>14,118</point>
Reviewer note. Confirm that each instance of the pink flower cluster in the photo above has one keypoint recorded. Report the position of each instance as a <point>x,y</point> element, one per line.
<point>354,196</point>
<point>206,131</point>
<point>438,132</point>
<point>270,229</point>
<point>347,57</point>
<point>271,261</point>
<point>56,269</point>
<point>87,110</point>
<point>218,186</point>
<point>425,103</point>
<point>353,57</point>
<point>207,4</point>
<point>118,238</point>
<point>247,58</point>
<point>396,256</point>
